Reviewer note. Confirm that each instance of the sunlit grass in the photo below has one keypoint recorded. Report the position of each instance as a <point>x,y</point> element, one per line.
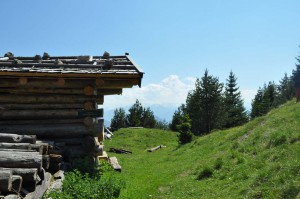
<point>258,160</point>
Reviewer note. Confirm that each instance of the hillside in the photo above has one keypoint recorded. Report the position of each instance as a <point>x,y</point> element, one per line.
<point>258,160</point>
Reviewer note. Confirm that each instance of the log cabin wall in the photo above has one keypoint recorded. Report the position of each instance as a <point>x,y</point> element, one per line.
<point>56,99</point>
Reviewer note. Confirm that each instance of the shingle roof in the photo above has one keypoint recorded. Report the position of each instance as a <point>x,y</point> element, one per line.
<point>98,65</point>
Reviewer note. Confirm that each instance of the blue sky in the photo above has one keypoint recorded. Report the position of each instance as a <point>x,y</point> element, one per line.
<point>173,41</point>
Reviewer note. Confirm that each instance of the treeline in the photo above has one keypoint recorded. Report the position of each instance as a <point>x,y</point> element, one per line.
<point>213,105</point>
<point>271,95</point>
<point>138,116</point>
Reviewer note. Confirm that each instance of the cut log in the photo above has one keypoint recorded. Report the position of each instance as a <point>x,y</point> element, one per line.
<point>39,148</point>
<point>55,162</point>
<point>17,150</point>
<point>115,164</point>
<point>51,99</point>
<point>119,150</point>
<point>15,138</point>
<point>48,114</point>
<point>5,180</point>
<point>89,90</point>
<point>20,160</point>
<point>27,174</point>
<point>55,158</point>
<point>21,146</point>
<point>42,146</point>
<point>4,145</point>
<point>55,130</point>
<point>23,80</point>
<point>156,148</point>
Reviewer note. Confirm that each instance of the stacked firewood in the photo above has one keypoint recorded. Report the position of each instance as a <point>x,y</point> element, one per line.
<point>24,163</point>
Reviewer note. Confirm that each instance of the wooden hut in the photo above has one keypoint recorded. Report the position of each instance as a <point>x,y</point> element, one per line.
<point>49,108</point>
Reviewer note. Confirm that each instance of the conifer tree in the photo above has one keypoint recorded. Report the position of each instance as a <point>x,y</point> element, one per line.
<point>148,119</point>
<point>177,118</point>
<point>234,106</point>
<point>185,134</point>
<point>264,100</point>
<point>119,119</point>
<point>285,90</point>
<point>205,105</point>
<point>134,118</point>
<point>296,72</point>
<point>257,103</point>
<point>296,79</point>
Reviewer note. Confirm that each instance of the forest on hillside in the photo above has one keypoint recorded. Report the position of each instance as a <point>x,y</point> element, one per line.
<point>212,105</point>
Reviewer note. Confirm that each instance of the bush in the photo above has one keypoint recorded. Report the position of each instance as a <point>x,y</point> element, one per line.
<point>84,185</point>
<point>218,164</point>
<point>185,135</point>
<point>206,172</point>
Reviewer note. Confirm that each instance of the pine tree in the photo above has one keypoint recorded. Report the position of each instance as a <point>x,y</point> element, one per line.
<point>234,106</point>
<point>134,118</point>
<point>205,105</point>
<point>296,73</point>
<point>296,79</point>
<point>177,118</point>
<point>257,103</point>
<point>285,90</point>
<point>264,100</point>
<point>269,97</point>
<point>185,134</point>
<point>119,119</point>
<point>148,119</point>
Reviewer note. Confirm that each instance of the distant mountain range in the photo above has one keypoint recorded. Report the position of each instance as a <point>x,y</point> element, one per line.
<point>160,113</point>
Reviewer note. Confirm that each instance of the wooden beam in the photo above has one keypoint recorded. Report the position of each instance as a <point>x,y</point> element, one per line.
<point>51,99</point>
<point>64,83</point>
<point>86,105</point>
<point>28,174</point>
<point>58,82</point>
<point>21,160</point>
<point>16,138</point>
<point>55,130</point>
<point>48,114</point>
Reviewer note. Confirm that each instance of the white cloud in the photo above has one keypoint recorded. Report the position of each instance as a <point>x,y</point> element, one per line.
<point>171,91</point>
<point>248,96</point>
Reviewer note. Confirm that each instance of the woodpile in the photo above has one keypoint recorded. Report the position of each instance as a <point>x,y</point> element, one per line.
<point>23,163</point>
<point>49,113</point>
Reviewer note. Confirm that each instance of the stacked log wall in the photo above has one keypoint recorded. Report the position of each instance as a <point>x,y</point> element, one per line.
<point>45,122</point>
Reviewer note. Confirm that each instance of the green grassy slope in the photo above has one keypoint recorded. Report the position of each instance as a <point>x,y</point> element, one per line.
<point>258,160</point>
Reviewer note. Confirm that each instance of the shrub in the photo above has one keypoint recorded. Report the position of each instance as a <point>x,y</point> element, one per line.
<point>218,164</point>
<point>185,134</point>
<point>206,172</point>
<point>84,185</point>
